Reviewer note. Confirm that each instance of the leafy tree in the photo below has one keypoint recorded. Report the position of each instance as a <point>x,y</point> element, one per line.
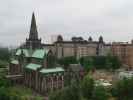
<point>56,95</point>
<point>87,86</point>
<point>67,79</point>
<point>115,63</point>
<point>4,82</point>
<point>65,61</point>
<point>5,54</point>
<point>3,63</point>
<point>112,62</point>
<point>87,62</point>
<point>68,93</point>
<point>4,93</point>
<point>100,93</point>
<point>74,90</point>
<point>99,62</point>
<point>123,89</point>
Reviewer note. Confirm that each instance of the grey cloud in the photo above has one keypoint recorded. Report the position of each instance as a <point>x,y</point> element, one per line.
<point>110,18</point>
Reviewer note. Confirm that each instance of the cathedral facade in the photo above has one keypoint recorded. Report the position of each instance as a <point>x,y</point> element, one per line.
<point>34,66</point>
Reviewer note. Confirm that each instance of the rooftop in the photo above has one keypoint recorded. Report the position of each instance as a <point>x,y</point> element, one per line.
<point>15,62</point>
<point>25,51</point>
<point>51,70</point>
<point>40,53</point>
<point>32,66</point>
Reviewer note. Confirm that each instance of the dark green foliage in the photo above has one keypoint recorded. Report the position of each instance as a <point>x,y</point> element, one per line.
<point>4,57</point>
<point>67,60</point>
<point>67,79</point>
<point>72,93</point>
<point>56,95</point>
<point>4,54</point>
<point>100,62</point>
<point>87,62</point>
<point>4,91</point>
<point>113,62</point>
<point>124,89</point>
<point>3,63</point>
<point>87,86</point>
<point>100,93</point>
<point>85,90</point>
<point>68,93</point>
<point>4,83</point>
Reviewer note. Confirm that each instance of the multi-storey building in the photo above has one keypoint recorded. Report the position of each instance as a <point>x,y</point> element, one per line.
<point>124,51</point>
<point>79,47</point>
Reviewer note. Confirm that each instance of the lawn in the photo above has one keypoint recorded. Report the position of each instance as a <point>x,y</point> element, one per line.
<point>24,93</point>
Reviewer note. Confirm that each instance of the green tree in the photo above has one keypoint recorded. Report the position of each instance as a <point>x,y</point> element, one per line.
<point>86,62</point>
<point>99,62</point>
<point>87,86</point>
<point>65,61</point>
<point>68,93</point>
<point>4,54</point>
<point>100,93</point>
<point>112,62</point>
<point>115,63</point>
<point>56,95</point>
<point>123,89</point>
<point>4,93</point>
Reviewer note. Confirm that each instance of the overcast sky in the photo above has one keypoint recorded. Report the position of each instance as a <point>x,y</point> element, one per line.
<point>113,19</point>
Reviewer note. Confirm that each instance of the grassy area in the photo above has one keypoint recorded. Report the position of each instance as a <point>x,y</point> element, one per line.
<point>24,93</point>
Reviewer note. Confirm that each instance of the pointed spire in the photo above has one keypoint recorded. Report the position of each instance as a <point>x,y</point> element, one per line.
<point>33,29</point>
<point>101,39</point>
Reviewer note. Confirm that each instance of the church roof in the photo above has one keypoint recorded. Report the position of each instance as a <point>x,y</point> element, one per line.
<point>25,51</point>
<point>15,62</point>
<point>40,53</point>
<point>51,70</point>
<point>33,66</point>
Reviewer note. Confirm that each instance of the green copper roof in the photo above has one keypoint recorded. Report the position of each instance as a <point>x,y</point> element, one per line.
<point>40,53</point>
<point>51,70</point>
<point>25,51</point>
<point>33,66</point>
<point>15,62</point>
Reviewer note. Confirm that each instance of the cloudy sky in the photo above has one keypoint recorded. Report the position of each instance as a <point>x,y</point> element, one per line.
<point>113,19</point>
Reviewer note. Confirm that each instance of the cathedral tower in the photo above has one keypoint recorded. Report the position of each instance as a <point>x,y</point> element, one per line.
<point>33,41</point>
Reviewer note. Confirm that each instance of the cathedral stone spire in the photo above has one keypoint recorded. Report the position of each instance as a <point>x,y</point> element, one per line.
<point>33,42</point>
<point>33,29</point>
